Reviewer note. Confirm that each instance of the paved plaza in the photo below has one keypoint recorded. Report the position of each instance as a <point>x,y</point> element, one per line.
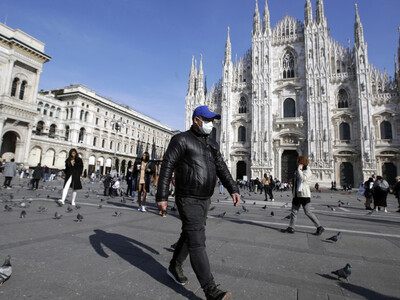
<point>125,257</point>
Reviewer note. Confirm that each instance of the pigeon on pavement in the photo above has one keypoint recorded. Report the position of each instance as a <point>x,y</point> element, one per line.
<point>211,208</point>
<point>69,209</point>
<point>244,208</point>
<point>272,214</point>
<point>100,206</point>
<point>57,216</point>
<point>5,270</point>
<point>264,207</point>
<point>221,215</point>
<point>117,214</point>
<point>335,238</point>
<point>344,272</point>
<point>42,209</point>
<point>7,208</point>
<point>79,218</point>
<point>77,206</point>
<point>23,214</point>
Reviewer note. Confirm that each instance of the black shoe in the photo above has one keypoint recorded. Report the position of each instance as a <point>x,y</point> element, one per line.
<point>320,230</point>
<point>368,208</point>
<point>214,293</point>
<point>398,210</point>
<point>288,230</point>
<point>176,273</point>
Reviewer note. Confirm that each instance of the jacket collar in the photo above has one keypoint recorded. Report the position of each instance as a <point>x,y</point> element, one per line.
<point>196,132</point>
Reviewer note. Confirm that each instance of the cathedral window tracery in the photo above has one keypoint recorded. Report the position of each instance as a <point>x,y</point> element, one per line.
<point>242,105</point>
<point>386,130</point>
<point>288,65</point>
<point>289,108</point>
<point>343,99</point>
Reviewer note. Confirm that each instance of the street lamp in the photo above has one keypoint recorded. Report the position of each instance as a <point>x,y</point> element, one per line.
<point>117,126</point>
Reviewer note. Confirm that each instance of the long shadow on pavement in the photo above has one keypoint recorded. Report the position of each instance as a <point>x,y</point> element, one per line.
<point>132,251</point>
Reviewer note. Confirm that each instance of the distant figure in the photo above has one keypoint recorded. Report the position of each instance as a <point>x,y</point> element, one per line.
<point>130,181</point>
<point>380,192</point>
<point>36,176</point>
<point>396,192</point>
<point>145,171</point>
<point>368,185</point>
<point>10,170</point>
<point>316,187</point>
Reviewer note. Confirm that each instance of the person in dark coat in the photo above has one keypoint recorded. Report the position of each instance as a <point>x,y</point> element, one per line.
<point>73,171</point>
<point>368,192</point>
<point>380,191</point>
<point>145,171</point>
<point>130,181</point>
<point>396,191</point>
<point>36,176</point>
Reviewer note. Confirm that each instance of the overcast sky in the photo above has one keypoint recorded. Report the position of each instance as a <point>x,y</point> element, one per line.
<point>138,52</point>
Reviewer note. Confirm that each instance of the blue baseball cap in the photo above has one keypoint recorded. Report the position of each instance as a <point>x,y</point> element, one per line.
<point>204,111</point>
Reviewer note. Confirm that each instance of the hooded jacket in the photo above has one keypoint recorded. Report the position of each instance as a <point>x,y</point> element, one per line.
<point>196,160</point>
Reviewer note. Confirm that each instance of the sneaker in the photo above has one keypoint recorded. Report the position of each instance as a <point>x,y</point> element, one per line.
<point>398,210</point>
<point>288,230</point>
<point>214,293</point>
<point>143,208</point>
<point>139,208</point>
<point>386,209</point>
<point>164,214</point>
<point>320,230</point>
<point>8,188</point>
<point>176,273</point>
<point>272,200</point>
<point>160,212</point>
<point>60,202</point>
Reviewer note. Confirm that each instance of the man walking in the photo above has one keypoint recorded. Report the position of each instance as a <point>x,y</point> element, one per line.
<point>10,170</point>
<point>196,160</point>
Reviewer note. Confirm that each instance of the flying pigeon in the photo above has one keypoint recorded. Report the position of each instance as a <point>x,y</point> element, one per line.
<point>211,208</point>
<point>335,238</point>
<point>79,218</point>
<point>23,214</point>
<point>344,272</point>
<point>57,216</point>
<point>221,215</point>
<point>272,214</point>
<point>117,214</point>
<point>5,270</point>
<point>69,209</point>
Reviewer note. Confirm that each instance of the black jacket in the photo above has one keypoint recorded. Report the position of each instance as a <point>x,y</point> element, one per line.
<point>75,171</point>
<point>196,161</point>
<point>37,173</point>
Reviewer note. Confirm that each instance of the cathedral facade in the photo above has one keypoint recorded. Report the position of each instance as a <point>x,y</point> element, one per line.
<point>296,92</point>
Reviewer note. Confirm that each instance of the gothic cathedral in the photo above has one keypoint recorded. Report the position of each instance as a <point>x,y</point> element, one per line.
<point>297,91</point>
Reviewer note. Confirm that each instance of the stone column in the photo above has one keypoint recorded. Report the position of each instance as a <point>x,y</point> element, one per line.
<point>28,144</point>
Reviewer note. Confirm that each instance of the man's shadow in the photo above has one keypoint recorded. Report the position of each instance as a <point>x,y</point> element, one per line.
<point>133,252</point>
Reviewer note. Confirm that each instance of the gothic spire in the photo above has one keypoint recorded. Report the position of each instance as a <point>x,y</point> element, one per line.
<point>256,20</point>
<point>398,50</point>
<point>266,18</point>
<point>201,65</point>
<point>191,77</point>
<point>228,48</point>
<point>308,15</point>
<point>358,29</point>
<point>319,12</point>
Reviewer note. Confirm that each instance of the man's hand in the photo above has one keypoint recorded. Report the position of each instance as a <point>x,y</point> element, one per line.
<point>236,199</point>
<point>162,205</point>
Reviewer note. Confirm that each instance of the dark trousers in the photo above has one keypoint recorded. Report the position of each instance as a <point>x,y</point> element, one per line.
<point>7,181</point>
<point>192,242</point>
<point>35,183</point>
<point>129,190</point>
<point>268,192</point>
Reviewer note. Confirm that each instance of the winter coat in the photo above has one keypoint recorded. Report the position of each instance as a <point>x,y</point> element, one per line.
<point>37,173</point>
<point>196,160</point>
<point>10,169</point>
<point>75,171</point>
<point>147,175</point>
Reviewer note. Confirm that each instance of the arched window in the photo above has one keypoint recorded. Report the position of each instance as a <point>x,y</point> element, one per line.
<point>118,146</point>
<point>66,133</point>
<point>81,116</point>
<point>242,134</point>
<point>81,135</point>
<point>46,108</point>
<point>94,141</point>
<point>343,99</point>
<point>242,105</point>
<point>39,106</point>
<point>289,108</point>
<point>71,111</point>
<point>51,113</point>
<point>14,87</point>
<point>125,147</point>
<point>103,143</point>
<point>86,116</point>
<point>288,65</point>
<point>66,115</point>
<point>52,131</point>
<point>39,128</point>
<point>58,111</point>
<point>111,145</point>
<point>22,90</point>
<point>386,130</point>
<point>344,130</point>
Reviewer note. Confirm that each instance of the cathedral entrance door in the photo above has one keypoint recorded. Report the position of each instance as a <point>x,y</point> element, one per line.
<point>240,169</point>
<point>389,173</point>
<point>346,174</point>
<point>288,165</point>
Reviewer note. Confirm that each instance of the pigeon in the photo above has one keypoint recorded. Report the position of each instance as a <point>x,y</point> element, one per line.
<point>48,196</point>
<point>264,207</point>
<point>117,214</point>
<point>244,208</point>
<point>222,215</point>
<point>101,199</point>
<point>244,201</point>
<point>272,214</point>
<point>335,238</point>
<point>7,208</point>
<point>57,216</point>
<point>5,270</point>
<point>23,214</point>
<point>212,208</point>
<point>42,209</point>
<point>69,209</point>
<point>333,209</point>
<point>30,200</point>
<point>238,213</point>
<point>87,196</point>
<point>287,217</point>
<point>77,206</point>
<point>100,206</point>
<point>285,205</point>
<point>341,202</point>
<point>11,196</point>
<point>344,272</point>
<point>254,203</point>
<point>22,205</point>
<point>79,218</point>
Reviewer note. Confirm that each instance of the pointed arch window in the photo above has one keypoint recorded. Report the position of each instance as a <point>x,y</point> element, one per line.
<point>343,99</point>
<point>386,130</point>
<point>289,108</point>
<point>242,134</point>
<point>22,90</point>
<point>14,87</point>
<point>288,65</point>
<point>344,130</point>
<point>242,105</point>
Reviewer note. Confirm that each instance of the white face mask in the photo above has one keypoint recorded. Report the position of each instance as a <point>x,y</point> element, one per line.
<point>207,127</point>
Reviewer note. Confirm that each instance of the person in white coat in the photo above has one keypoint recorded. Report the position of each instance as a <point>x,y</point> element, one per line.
<point>302,196</point>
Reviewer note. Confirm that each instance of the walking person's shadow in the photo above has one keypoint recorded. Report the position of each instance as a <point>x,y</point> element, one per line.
<point>133,252</point>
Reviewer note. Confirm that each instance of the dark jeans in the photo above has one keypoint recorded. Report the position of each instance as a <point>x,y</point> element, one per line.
<point>35,183</point>
<point>129,190</point>
<point>192,242</point>
<point>7,181</point>
<point>268,192</point>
